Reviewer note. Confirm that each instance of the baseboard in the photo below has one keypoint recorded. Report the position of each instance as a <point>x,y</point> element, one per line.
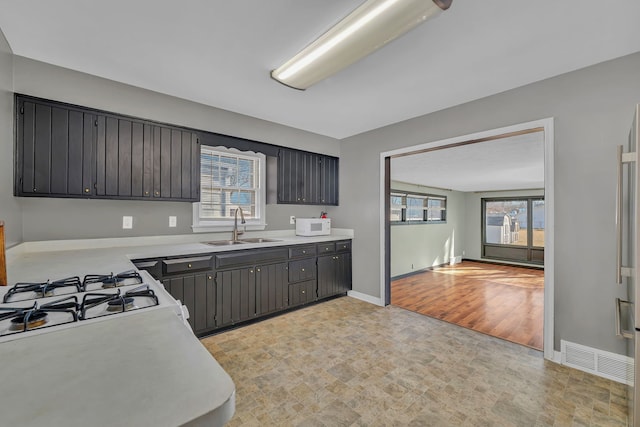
<point>422,270</point>
<point>366,298</point>
<point>498,262</point>
<point>598,362</point>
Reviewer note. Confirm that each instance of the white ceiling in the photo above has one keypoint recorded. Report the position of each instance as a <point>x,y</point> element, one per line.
<point>220,53</point>
<point>511,163</point>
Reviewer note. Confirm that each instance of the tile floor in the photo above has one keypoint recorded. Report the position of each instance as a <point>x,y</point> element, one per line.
<point>349,363</point>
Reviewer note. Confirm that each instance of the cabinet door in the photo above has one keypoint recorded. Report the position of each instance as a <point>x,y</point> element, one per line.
<point>326,275</point>
<point>329,184</point>
<point>55,147</point>
<point>197,292</point>
<point>289,180</point>
<point>271,288</point>
<point>236,296</point>
<point>343,272</point>
<point>176,164</point>
<point>124,158</point>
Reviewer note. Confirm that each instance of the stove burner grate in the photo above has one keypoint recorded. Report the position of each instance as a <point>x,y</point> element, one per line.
<point>111,281</point>
<point>26,318</point>
<point>43,289</point>
<point>116,302</point>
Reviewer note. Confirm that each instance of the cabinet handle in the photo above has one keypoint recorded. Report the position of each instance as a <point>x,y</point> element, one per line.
<point>157,193</point>
<point>210,277</point>
<point>146,193</point>
<point>86,190</point>
<point>250,271</point>
<point>189,265</point>
<point>304,252</point>
<point>303,269</point>
<point>304,292</point>
<point>258,270</point>
<point>34,190</point>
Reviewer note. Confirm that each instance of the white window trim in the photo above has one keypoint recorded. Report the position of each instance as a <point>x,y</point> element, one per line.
<point>227,225</point>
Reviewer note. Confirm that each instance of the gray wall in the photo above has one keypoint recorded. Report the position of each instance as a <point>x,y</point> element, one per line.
<point>47,219</point>
<point>592,108</point>
<point>9,206</point>
<point>419,246</point>
<point>473,236</point>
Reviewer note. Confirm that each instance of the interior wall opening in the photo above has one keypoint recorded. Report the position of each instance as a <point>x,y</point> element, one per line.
<point>465,232</point>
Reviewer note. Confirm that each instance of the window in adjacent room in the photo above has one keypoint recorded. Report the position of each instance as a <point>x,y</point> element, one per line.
<point>513,229</point>
<point>415,208</point>
<point>230,179</point>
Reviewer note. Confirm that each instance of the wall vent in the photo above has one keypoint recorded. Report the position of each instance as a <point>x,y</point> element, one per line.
<point>598,362</point>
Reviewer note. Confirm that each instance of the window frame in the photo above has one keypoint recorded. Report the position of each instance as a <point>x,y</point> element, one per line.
<point>511,250</point>
<point>404,207</point>
<point>200,225</point>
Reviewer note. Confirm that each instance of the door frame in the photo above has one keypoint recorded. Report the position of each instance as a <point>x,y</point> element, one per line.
<point>385,253</point>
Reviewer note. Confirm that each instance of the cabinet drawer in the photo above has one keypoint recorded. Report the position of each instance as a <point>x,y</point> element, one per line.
<point>152,266</point>
<point>326,248</point>
<point>302,251</point>
<point>250,257</point>
<point>302,293</point>
<point>304,269</point>
<point>183,265</point>
<point>343,246</point>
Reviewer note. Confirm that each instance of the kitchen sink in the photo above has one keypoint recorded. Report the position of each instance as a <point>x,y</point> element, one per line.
<point>224,242</point>
<point>258,240</point>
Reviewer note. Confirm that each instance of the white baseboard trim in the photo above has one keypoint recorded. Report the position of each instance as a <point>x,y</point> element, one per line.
<point>366,298</point>
<point>598,362</point>
<point>557,357</point>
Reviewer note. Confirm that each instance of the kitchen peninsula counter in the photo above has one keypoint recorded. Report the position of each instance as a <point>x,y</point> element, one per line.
<point>140,370</point>
<point>143,369</point>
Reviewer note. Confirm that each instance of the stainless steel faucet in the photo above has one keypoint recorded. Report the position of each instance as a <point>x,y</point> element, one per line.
<point>237,233</point>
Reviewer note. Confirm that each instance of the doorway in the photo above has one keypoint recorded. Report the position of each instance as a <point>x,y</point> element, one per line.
<point>440,203</point>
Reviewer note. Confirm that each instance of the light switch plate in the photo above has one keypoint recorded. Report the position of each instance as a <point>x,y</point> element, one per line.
<point>173,221</point>
<point>292,219</point>
<point>127,222</point>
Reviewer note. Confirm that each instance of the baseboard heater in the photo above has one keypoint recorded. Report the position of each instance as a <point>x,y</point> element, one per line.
<point>598,362</point>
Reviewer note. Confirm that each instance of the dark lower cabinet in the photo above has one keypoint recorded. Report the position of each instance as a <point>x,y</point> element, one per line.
<point>334,274</point>
<point>236,290</point>
<point>302,293</point>
<point>198,293</point>
<point>227,288</point>
<point>272,288</point>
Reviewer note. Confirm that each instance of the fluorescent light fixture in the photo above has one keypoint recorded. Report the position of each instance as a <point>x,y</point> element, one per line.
<point>372,25</point>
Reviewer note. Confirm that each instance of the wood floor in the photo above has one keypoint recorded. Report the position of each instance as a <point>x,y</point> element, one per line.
<point>502,301</point>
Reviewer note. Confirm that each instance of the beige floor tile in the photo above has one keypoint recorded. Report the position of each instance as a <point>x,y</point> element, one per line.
<point>348,363</point>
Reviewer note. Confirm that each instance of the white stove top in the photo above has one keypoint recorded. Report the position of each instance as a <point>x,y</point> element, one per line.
<point>62,307</point>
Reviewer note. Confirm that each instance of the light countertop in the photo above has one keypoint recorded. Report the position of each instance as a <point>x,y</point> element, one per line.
<point>39,261</point>
<point>147,369</point>
<point>112,373</point>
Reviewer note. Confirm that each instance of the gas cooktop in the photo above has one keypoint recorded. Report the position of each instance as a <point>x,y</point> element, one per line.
<point>32,307</point>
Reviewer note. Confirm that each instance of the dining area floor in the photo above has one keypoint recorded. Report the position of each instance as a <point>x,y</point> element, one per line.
<point>345,362</point>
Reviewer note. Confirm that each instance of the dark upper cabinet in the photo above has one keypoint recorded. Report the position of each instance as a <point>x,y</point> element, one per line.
<point>307,178</point>
<point>68,151</point>
<point>54,150</point>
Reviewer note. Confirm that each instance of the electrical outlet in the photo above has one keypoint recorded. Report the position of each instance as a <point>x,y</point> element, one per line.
<point>173,221</point>
<point>127,222</point>
<point>292,219</point>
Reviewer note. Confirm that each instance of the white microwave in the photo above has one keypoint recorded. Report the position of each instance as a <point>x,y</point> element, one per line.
<point>313,226</point>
